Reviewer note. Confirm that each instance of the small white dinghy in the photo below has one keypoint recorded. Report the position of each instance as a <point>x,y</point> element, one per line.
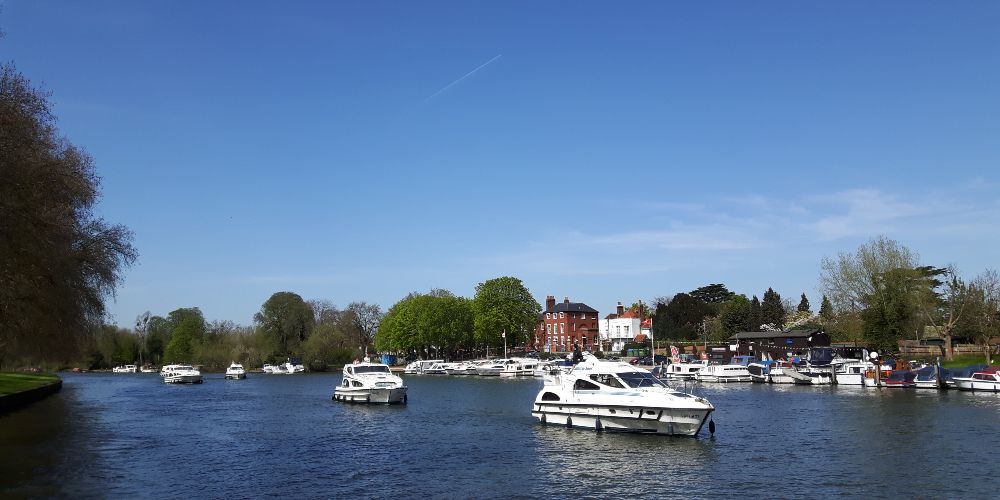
<point>370,383</point>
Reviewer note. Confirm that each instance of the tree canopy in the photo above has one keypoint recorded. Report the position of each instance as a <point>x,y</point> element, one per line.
<point>287,320</point>
<point>504,305</point>
<point>58,261</point>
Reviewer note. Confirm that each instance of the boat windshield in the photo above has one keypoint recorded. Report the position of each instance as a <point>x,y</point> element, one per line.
<point>640,379</point>
<point>371,369</point>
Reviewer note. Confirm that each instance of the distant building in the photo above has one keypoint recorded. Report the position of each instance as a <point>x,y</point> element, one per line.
<point>563,324</point>
<point>620,328</point>
<point>779,344</point>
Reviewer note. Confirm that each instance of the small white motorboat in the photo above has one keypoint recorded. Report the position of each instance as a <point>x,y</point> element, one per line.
<point>615,396</point>
<point>236,372</point>
<point>519,367</point>
<point>979,381</point>
<point>418,367</point>
<point>723,373</point>
<point>370,383</point>
<point>180,374</point>
<point>683,371</point>
<point>125,369</point>
<point>492,368</point>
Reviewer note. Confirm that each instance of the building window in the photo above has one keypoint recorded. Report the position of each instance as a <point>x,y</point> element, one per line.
<point>548,328</point>
<point>574,327</point>
<point>561,315</point>
<point>562,327</point>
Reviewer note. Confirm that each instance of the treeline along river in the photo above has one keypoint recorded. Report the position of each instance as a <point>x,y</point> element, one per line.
<point>130,435</point>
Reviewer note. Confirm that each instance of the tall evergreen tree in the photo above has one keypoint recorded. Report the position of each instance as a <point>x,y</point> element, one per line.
<point>803,304</point>
<point>826,309</point>
<point>756,315</point>
<point>772,310</point>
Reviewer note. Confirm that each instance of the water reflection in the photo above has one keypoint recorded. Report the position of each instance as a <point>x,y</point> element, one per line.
<point>132,435</point>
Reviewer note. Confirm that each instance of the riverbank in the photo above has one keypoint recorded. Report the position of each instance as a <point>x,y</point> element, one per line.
<point>21,389</point>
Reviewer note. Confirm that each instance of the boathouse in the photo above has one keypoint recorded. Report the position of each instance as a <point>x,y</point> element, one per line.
<point>779,344</point>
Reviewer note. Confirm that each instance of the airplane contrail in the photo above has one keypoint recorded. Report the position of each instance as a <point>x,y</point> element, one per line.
<point>463,77</point>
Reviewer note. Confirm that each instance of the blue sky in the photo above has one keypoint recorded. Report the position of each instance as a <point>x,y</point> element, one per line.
<point>597,150</point>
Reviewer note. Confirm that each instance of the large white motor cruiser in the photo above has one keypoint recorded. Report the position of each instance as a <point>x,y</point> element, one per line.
<point>519,367</point>
<point>236,372</point>
<point>370,383</point>
<point>615,396</point>
<point>418,367</point>
<point>492,368</point>
<point>180,374</point>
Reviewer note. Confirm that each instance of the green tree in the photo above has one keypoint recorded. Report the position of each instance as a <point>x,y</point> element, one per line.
<point>187,328</point>
<point>756,315</point>
<point>735,315</point>
<point>680,319</point>
<point>850,279</point>
<point>287,320</point>
<point>803,305</point>
<point>772,310</point>
<point>58,261</point>
<point>826,309</point>
<point>504,305</point>
<point>365,319</point>
<point>716,293</point>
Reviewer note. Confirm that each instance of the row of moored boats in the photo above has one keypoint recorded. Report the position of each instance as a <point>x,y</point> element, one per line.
<point>821,367</point>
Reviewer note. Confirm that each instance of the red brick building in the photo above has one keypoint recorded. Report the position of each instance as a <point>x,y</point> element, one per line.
<point>563,324</point>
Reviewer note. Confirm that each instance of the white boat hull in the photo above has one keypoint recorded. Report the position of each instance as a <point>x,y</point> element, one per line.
<point>964,384</point>
<point>236,376</point>
<point>724,379</point>
<point>665,421</point>
<point>393,395</point>
<point>850,379</point>
<point>183,379</point>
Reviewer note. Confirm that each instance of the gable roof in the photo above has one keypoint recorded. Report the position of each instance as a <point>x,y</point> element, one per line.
<point>802,333</point>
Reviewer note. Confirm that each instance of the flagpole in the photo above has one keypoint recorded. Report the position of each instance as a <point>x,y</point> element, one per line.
<point>504,335</point>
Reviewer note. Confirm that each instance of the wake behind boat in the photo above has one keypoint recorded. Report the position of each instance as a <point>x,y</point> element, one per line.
<point>615,396</point>
<point>370,383</point>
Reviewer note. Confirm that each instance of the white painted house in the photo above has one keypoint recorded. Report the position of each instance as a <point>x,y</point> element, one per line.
<point>618,329</point>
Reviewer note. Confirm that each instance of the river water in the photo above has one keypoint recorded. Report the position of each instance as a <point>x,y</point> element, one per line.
<point>117,435</point>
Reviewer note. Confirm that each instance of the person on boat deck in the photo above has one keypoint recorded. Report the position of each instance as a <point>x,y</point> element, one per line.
<point>577,355</point>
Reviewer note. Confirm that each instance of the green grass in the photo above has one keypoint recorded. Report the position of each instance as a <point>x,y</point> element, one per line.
<point>17,382</point>
<point>966,360</point>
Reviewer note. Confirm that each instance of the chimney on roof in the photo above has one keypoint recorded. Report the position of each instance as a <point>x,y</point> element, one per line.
<point>550,302</point>
<point>620,310</point>
<point>565,300</point>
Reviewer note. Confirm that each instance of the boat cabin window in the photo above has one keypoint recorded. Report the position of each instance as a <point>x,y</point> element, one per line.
<point>550,396</point>
<point>640,379</point>
<point>356,383</point>
<point>585,385</point>
<point>371,369</point>
<point>607,379</point>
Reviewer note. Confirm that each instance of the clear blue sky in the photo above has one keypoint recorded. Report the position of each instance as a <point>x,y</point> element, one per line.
<point>603,151</point>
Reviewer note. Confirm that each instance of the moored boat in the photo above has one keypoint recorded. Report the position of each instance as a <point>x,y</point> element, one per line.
<point>723,373</point>
<point>125,369</point>
<point>370,383</point>
<point>901,379</point>
<point>615,396</point>
<point>987,380</point>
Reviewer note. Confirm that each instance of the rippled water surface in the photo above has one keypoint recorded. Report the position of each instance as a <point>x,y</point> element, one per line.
<point>115,435</point>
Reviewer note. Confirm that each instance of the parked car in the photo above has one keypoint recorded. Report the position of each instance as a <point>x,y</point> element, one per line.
<point>647,360</point>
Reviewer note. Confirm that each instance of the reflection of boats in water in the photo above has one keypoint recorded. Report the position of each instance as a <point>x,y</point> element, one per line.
<point>370,383</point>
<point>615,396</point>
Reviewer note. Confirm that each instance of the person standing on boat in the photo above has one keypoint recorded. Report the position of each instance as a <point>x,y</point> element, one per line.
<point>577,355</point>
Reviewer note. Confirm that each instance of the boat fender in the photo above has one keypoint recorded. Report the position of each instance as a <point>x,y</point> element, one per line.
<point>569,422</point>
<point>543,419</point>
<point>404,398</point>
<point>598,426</point>
<point>711,427</point>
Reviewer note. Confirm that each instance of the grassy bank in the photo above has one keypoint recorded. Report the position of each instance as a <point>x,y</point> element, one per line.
<point>966,360</point>
<point>17,382</point>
